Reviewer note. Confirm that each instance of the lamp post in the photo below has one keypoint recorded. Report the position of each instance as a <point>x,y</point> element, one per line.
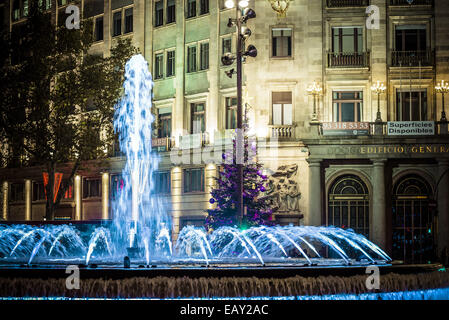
<point>378,88</point>
<point>314,89</point>
<point>442,87</point>
<point>243,14</point>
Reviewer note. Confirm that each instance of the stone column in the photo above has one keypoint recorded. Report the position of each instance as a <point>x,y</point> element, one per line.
<point>313,217</point>
<point>176,194</point>
<point>105,196</point>
<point>178,114</point>
<point>28,199</point>
<point>378,223</point>
<point>77,196</point>
<point>5,190</point>
<point>213,75</point>
<point>443,205</point>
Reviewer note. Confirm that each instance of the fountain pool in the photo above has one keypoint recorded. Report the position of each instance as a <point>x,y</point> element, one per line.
<point>142,225</point>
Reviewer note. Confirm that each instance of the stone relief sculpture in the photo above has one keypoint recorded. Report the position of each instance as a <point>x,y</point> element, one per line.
<point>283,190</point>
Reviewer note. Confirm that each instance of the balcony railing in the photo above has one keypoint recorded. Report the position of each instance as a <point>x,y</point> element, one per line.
<point>347,3</point>
<point>193,141</point>
<point>412,58</point>
<point>411,2</point>
<point>282,132</point>
<point>348,59</point>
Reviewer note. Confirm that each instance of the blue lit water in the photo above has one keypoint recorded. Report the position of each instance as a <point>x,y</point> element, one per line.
<point>141,219</point>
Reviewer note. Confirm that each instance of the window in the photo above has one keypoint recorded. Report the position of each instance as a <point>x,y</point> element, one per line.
<point>171,63</point>
<point>91,188</point>
<point>159,66</point>
<point>159,13</point>
<point>282,108</point>
<point>17,192</point>
<point>204,56</point>
<point>117,24</point>
<point>282,42</point>
<point>171,11</point>
<point>45,4</point>
<point>231,113</point>
<point>411,46</point>
<point>349,204</point>
<point>413,220</point>
<point>99,29</point>
<point>117,186</point>
<point>347,106</point>
<point>19,9</point>
<point>162,182</point>
<point>38,191</point>
<point>193,180</point>
<point>204,6</point>
<point>411,105</point>
<point>411,38</point>
<point>191,8</point>
<point>164,130</point>
<point>347,40</point>
<point>191,59</point>
<point>226,45</point>
<point>128,20</point>
<point>16,10</point>
<point>198,124</point>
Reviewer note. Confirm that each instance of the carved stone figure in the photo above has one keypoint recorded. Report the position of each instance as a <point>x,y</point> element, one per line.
<point>283,190</point>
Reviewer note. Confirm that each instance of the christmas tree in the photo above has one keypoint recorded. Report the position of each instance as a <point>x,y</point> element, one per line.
<point>225,197</point>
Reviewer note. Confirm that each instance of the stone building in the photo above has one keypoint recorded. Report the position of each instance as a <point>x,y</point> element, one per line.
<point>349,156</point>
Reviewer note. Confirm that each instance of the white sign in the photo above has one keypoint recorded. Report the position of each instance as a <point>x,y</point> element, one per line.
<point>411,128</point>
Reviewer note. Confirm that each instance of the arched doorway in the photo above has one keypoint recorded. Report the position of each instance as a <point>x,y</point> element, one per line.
<point>348,204</point>
<point>413,220</point>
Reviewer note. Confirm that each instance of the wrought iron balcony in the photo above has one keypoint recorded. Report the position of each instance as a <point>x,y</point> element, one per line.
<point>412,58</point>
<point>348,59</point>
<point>282,132</point>
<point>347,3</point>
<point>411,2</point>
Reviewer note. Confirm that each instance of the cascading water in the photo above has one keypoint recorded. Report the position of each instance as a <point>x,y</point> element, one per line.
<point>138,214</point>
<point>141,219</point>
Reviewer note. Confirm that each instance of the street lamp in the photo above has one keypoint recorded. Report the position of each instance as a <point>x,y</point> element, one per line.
<point>314,89</point>
<point>378,88</point>
<point>442,88</point>
<point>243,14</point>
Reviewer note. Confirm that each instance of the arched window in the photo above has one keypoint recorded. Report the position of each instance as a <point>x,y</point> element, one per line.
<point>349,204</point>
<point>413,220</point>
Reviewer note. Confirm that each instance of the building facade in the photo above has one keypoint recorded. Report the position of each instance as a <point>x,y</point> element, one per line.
<point>345,155</point>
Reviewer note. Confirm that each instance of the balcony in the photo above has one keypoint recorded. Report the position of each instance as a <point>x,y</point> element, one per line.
<point>347,3</point>
<point>282,132</point>
<point>411,2</point>
<point>412,58</point>
<point>193,141</point>
<point>348,59</point>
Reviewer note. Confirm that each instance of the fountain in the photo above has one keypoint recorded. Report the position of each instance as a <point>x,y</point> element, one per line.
<point>141,228</point>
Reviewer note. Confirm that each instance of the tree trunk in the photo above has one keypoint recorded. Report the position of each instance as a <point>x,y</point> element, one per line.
<point>50,207</point>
